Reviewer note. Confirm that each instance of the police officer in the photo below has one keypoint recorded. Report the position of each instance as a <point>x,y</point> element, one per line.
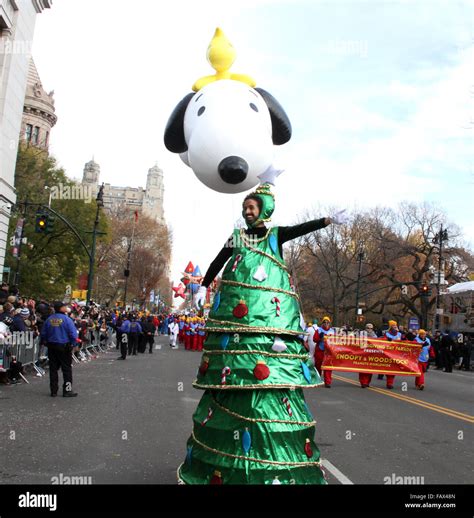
<point>124,329</point>
<point>59,334</point>
<point>134,331</point>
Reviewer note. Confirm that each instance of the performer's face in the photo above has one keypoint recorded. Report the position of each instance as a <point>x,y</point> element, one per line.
<point>326,324</point>
<point>251,211</point>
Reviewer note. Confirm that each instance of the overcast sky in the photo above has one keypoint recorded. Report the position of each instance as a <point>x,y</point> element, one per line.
<point>380,95</point>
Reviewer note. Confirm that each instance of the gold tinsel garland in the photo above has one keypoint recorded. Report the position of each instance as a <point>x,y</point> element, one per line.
<point>263,353</point>
<point>248,245</point>
<point>264,288</point>
<point>253,459</point>
<point>251,387</point>
<point>246,328</point>
<point>255,420</point>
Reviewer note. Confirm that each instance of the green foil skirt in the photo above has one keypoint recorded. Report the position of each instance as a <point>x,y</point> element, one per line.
<point>251,438</point>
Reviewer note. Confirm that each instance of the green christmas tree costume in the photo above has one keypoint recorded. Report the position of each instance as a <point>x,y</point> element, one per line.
<point>252,425</point>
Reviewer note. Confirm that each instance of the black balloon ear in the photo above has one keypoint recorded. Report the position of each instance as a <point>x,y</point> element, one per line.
<point>174,132</point>
<point>281,125</point>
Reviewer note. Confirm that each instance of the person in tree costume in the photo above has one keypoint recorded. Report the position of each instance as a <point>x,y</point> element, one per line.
<point>252,425</point>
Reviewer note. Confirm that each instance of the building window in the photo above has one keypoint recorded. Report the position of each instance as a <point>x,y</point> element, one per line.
<point>46,140</point>
<point>29,131</point>
<point>36,135</point>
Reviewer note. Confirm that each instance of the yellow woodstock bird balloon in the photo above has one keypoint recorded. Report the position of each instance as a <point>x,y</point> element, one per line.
<point>221,56</point>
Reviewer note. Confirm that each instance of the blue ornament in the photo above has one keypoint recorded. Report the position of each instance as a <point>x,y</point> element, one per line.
<point>189,454</point>
<point>306,372</point>
<point>217,301</point>
<point>225,341</point>
<point>246,441</point>
<point>273,243</point>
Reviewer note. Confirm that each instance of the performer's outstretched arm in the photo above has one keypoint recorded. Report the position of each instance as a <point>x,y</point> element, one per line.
<point>288,233</point>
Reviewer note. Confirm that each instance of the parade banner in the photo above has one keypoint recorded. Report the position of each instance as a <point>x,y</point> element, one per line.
<point>362,354</point>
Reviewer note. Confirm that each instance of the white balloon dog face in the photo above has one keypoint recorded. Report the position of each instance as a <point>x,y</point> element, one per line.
<point>226,132</point>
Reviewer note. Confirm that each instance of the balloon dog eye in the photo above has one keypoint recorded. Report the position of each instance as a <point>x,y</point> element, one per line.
<point>201,110</point>
<point>253,107</point>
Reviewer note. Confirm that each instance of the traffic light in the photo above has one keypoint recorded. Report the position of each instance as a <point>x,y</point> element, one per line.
<point>41,223</point>
<point>50,223</point>
<point>425,290</point>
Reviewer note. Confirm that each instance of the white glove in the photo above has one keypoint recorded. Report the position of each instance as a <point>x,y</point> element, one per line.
<point>200,297</point>
<point>340,218</point>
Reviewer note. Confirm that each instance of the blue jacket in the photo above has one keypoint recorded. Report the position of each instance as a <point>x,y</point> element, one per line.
<point>59,329</point>
<point>135,328</point>
<point>131,327</point>
<point>425,349</point>
<point>125,327</point>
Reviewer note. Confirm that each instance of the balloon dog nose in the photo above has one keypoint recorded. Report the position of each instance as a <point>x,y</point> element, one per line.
<point>233,169</point>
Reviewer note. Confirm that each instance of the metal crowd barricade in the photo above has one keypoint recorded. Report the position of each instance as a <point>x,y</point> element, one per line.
<point>29,351</point>
<point>4,358</point>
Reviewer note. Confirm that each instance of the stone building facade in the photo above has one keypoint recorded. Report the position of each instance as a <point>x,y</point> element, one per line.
<point>148,201</point>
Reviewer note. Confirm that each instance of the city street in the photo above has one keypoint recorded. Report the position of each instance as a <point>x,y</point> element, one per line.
<point>131,420</point>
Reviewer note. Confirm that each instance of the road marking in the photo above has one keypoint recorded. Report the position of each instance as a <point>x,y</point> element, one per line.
<point>413,401</point>
<point>336,473</point>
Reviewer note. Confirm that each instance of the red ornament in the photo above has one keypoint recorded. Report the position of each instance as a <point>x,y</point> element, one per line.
<point>261,370</point>
<point>240,310</point>
<point>204,366</point>
<point>307,449</point>
<point>216,478</point>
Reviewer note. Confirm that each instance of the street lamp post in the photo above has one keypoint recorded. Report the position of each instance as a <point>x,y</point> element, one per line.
<point>90,279</point>
<point>360,258</point>
<point>440,237</point>
<point>129,254</point>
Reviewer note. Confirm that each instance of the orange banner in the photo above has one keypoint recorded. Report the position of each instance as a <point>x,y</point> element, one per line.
<point>361,354</point>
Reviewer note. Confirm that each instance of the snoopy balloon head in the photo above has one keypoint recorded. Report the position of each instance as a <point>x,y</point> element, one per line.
<point>226,131</point>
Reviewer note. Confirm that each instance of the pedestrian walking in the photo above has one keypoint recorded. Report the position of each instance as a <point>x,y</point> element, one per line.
<point>173,328</point>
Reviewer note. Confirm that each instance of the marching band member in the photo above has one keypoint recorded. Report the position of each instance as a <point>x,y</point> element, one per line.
<point>423,359</point>
<point>319,338</point>
<point>392,335</point>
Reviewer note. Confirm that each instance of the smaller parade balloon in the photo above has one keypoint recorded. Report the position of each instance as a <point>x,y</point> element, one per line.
<point>179,291</point>
<point>189,268</point>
